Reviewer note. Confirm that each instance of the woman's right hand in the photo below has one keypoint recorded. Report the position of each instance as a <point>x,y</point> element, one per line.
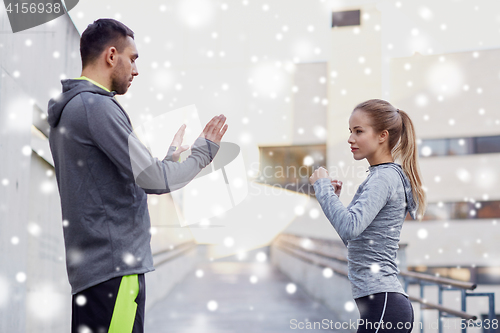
<point>337,185</point>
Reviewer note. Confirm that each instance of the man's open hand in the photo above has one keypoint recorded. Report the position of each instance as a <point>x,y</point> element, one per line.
<point>177,143</point>
<point>212,130</point>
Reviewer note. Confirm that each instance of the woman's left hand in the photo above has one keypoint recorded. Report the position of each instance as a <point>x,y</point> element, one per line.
<point>319,173</point>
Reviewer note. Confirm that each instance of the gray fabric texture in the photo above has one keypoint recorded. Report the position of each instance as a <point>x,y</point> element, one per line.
<point>370,226</point>
<point>103,193</point>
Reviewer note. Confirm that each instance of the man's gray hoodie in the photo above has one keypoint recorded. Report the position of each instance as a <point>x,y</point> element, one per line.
<point>370,226</point>
<point>103,173</point>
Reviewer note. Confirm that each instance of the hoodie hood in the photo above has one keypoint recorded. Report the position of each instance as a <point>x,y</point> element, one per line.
<point>411,202</point>
<point>71,88</point>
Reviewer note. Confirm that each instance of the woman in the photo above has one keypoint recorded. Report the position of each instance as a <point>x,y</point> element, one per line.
<point>370,226</point>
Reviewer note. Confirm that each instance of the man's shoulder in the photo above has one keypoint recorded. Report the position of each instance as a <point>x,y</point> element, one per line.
<point>93,97</point>
<point>96,103</point>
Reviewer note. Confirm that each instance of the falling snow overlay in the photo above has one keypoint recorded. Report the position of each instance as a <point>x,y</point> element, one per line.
<point>287,81</point>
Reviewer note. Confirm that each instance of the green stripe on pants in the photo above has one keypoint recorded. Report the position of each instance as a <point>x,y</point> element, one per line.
<point>123,317</point>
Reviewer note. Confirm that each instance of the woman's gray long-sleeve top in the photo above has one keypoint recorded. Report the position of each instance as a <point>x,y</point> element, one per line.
<point>370,226</point>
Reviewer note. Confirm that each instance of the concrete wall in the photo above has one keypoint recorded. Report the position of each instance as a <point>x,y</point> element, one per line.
<point>34,292</point>
<point>310,103</point>
<point>355,75</point>
<point>334,292</point>
<point>167,275</point>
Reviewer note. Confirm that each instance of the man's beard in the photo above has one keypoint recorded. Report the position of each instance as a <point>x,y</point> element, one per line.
<point>118,83</point>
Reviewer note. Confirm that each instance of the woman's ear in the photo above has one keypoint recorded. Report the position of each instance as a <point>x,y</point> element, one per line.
<point>383,136</point>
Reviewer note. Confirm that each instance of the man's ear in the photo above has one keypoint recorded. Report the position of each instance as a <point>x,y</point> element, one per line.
<point>111,56</point>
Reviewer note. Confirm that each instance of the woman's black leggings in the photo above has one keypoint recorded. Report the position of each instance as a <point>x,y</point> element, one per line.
<point>385,312</point>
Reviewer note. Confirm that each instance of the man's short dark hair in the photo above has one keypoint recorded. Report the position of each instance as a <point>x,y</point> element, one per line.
<point>101,34</point>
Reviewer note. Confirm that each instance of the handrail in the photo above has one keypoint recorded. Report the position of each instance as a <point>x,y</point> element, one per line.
<point>176,251</point>
<point>174,248</point>
<point>293,249</point>
<point>439,280</point>
<point>415,275</point>
<point>441,308</point>
<point>317,252</point>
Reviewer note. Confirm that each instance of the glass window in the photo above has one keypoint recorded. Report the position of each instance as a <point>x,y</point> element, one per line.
<point>488,275</point>
<point>462,211</point>
<point>461,146</point>
<point>488,209</point>
<point>487,144</point>
<point>291,166</point>
<point>346,18</point>
<point>436,211</point>
<point>455,273</point>
<point>435,147</point>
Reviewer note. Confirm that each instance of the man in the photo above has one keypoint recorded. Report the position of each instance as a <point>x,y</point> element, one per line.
<point>103,174</point>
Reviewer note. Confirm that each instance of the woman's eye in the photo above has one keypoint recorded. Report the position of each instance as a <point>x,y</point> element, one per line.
<point>359,131</point>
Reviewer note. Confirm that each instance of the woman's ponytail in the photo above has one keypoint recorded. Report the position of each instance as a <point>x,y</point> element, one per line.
<point>407,154</point>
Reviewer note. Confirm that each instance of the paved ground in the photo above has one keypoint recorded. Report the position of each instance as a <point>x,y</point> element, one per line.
<point>236,304</point>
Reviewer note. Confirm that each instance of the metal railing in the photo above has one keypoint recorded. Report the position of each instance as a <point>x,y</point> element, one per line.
<point>163,256</point>
<point>313,251</point>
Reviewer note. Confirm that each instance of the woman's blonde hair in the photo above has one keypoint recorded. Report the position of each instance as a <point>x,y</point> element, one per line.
<point>384,116</point>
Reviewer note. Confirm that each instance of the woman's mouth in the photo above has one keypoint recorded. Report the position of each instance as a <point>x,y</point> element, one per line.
<point>354,149</point>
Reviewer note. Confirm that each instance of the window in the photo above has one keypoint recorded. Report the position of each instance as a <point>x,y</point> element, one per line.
<point>460,146</point>
<point>464,210</point>
<point>290,167</point>
<point>487,144</point>
<point>346,18</point>
<point>474,274</point>
<point>437,147</point>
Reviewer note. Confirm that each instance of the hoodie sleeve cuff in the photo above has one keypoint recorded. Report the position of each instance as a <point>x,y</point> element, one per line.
<point>170,153</point>
<point>322,186</point>
<point>208,147</point>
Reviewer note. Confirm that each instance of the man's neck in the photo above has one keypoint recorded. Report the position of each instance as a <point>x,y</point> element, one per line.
<point>94,76</point>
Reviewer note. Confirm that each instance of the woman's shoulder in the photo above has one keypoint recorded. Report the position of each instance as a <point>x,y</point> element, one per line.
<point>387,173</point>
